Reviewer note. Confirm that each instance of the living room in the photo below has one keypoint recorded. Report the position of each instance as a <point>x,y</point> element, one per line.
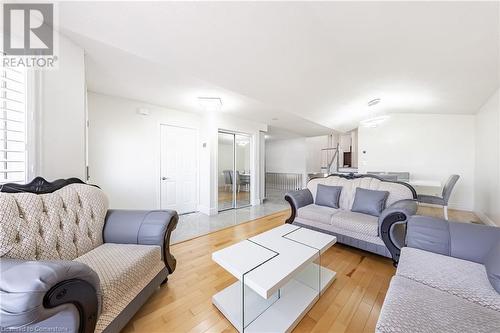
<point>250,166</point>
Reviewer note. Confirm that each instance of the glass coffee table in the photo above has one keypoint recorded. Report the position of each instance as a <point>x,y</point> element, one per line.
<point>280,277</point>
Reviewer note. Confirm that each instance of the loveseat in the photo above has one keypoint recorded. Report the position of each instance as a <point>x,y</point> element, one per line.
<point>368,231</point>
<point>447,280</point>
<point>69,264</point>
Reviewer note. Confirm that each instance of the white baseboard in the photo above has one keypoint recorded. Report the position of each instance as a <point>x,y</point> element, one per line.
<point>450,206</point>
<point>485,219</point>
<point>207,210</point>
<point>257,202</point>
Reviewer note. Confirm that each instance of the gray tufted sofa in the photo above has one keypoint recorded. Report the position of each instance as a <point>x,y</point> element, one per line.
<point>68,264</point>
<point>367,232</point>
<point>448,280</point>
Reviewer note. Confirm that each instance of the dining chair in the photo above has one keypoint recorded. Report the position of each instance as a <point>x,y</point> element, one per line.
<point>228,182</point>
<point>243,180</point>
<point>444,198</point>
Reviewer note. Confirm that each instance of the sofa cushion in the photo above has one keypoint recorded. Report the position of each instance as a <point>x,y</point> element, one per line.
<point>357,222</point>
<point>369,202</point>
<point>492,264</point>
<point>396,191</point>
<point>317,213</point>
<point>328,196</point>
<point>124,270</point>
<point>410,306</point>
<point>465,279</point>
<point>61,225</point>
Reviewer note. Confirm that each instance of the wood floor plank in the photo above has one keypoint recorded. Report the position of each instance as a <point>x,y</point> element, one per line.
<point>306,325</point>
<point>351,304</point>
<point>374,313</point>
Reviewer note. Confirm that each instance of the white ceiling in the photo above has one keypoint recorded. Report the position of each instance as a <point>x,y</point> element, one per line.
<point>312,65</point>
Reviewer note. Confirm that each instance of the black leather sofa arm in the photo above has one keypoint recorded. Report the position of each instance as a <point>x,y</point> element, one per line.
<point>31,290</point>
<point>144,227</point>
<point>298,199</point>
<point>392,222</point>
<point>465,241</point>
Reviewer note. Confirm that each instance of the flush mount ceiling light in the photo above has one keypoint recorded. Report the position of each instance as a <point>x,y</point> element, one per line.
<point>210,103</point>
<point>374,122</point>
<point>143,111</point>
<point>374,102</point>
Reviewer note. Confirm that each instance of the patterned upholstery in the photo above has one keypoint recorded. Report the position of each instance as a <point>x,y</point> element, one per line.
<point>357,222</point>
<point>124,270</point>
<point>364,242</point>
<point>62,225</point>
<point>396,191</point>
<point>68,225</point>
<point>333,228</point>
<point>465,279</point>
<point>317,213</point>
<point>410,306</point>
<point>351,228</point>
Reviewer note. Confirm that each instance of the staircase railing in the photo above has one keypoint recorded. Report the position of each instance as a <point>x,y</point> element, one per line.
<point>283,182</point>
<point>334,161</point>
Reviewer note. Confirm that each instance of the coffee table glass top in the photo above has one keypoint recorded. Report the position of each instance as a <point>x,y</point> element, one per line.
<point>279,278</point>
<point>269,260</point>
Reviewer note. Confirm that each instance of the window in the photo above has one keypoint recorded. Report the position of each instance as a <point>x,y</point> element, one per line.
<point>13,125</point>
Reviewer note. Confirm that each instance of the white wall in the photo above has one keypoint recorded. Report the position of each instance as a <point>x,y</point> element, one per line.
<point>298,155</point>
<point>286,156</point>
<point>354,152</point>
<point>429,146</point>
<point>487,181</point>
<point>61,150</point>
<point>313,154</point>
<point>124,148</point>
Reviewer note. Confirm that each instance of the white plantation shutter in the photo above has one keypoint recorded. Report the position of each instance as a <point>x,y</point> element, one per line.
<point>13,119</point>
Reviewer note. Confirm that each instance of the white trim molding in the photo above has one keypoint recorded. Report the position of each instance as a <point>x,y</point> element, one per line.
<point>485,219</point>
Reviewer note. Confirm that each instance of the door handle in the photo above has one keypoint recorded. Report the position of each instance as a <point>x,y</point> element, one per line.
<point>164,178</point>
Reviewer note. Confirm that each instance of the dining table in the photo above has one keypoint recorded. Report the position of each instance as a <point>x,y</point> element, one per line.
<point>426,186</point>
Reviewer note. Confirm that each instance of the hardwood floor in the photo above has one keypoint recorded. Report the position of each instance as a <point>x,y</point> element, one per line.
<point>453,214</point>
<point>351,304</point>
<point>226,196</point>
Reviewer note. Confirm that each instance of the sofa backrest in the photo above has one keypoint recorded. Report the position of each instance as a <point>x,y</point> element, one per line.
<point>396,191</point>
<point>64,224</point>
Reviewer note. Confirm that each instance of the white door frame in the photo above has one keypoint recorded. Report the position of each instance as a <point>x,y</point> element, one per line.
<point>158,162</point>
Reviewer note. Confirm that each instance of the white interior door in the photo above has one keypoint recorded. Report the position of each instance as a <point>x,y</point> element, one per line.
<point>178,189</point>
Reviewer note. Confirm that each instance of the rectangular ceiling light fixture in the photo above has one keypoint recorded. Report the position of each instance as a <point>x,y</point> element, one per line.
<point>210,103</point>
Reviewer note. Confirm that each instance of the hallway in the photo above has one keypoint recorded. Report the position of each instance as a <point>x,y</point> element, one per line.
<point>198,224</point>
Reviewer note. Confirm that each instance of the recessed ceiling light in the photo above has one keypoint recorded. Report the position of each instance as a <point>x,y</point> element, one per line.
<point>210,103</point>
<point>374,102</point>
